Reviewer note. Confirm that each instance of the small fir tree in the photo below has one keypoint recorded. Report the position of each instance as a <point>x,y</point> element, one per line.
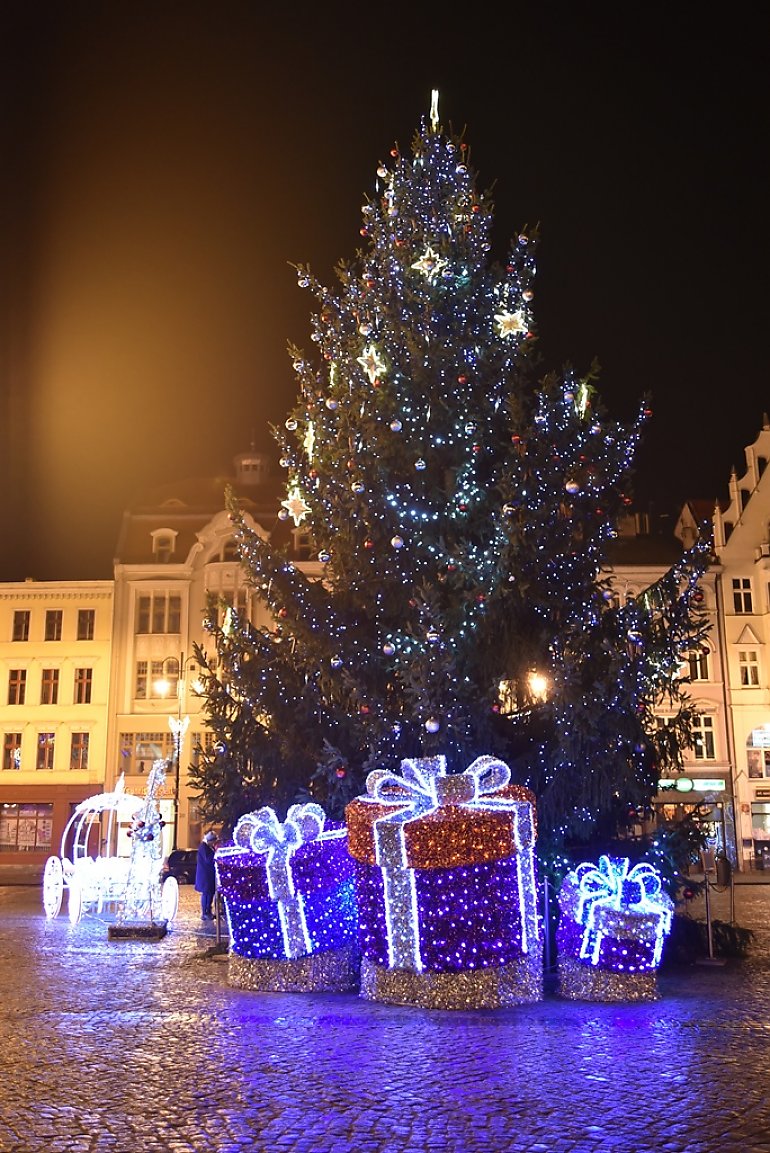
<point>461,513</point>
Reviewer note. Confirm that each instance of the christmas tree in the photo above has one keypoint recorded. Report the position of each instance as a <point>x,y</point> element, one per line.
<point>461,510</point>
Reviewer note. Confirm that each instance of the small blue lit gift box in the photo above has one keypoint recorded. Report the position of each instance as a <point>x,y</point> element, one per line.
<point>446,886</point>
<point>613,924</point>
<point>289,896</point>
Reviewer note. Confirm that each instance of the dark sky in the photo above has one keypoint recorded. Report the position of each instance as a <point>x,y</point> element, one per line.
<point>165,164</point>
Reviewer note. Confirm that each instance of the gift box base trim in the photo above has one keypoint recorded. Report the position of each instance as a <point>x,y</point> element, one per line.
<point>330,971</point>
<point>583,982</point>
<point>518,983</point>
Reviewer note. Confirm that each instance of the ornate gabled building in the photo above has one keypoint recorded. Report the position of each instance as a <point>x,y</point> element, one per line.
<point>741,535</point>
<point>174,551</point>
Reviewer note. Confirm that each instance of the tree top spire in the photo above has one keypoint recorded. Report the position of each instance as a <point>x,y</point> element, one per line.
<point>434,109</point>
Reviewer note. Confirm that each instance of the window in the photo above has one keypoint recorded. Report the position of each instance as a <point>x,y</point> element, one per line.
<point>742,595</point>
<point>45,748</point>
<point>17,686</point>
<point>698,661</point>
<point>163,543</point>
<point>49,687</point>
<point>25,828</point>
<point>703,738</point>
<point>303,543</point>
<point>53,624</point>
<point>139,751</point>
<point>86,619</point>
<point>12,751</point>
<point>83,681</point>
<point>159,613</point>
<point>157,680</point>
<point>748,663</point>
<point>21,625</point>
<point>79,751</point>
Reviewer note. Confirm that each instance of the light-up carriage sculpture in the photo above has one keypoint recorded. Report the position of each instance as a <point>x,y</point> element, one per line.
<point>89,867</point>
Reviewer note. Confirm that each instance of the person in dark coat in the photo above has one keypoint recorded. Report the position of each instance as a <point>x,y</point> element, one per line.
<point>205,876</point>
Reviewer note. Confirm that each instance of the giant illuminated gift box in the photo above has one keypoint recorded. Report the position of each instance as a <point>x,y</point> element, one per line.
<point>613,922</point>
<point>289,896</point>
<point>446,886</point>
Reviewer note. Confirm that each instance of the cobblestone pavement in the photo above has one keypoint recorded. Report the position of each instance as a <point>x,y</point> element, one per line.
<point>129,1046</point>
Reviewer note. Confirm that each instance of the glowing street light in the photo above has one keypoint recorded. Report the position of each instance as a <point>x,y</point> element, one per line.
<point>178,725</point>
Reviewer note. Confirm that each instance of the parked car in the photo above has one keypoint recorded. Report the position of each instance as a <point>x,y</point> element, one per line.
<point>180,863</point>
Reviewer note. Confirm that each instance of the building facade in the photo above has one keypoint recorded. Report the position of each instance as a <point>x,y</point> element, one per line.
<point>56,646</point>
<point>741,532</point>
<point>98,679</point>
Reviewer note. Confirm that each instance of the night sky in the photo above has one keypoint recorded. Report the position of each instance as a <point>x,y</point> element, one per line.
<point>166,164</point>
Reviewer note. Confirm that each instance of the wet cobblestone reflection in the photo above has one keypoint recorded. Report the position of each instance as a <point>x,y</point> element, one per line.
<point>128,1046</point>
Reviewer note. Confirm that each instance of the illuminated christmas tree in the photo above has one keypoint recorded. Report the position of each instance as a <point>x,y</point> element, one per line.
<point>461,511</point>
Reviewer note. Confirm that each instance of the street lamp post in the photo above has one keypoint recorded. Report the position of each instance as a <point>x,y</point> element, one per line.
<point>178,726</point>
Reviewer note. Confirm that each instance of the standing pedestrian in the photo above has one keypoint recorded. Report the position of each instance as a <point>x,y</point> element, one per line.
<point>205,876</point>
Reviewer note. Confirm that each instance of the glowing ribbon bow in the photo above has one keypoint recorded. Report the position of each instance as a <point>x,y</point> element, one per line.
<point>614,887</point>
<point>262,832</point>
<point>423,787</point>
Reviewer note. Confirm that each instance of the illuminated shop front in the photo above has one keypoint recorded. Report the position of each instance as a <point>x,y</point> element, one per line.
<point>708,801</point>
<point>757,839</point>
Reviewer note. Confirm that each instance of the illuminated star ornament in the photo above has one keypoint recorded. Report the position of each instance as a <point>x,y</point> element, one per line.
<point>510,323</point>
<point>430,264</point>
<point>295,505</point>
<point>372,363</point>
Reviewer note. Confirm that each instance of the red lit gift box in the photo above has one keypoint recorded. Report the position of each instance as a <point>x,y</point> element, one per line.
<point>446,887</point>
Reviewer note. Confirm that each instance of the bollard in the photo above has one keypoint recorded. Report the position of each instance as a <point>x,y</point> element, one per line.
<point>724,871</point>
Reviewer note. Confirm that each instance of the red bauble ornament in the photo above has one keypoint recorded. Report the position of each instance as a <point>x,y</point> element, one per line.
<point>369,543</point>
<point>462,379</point>
<point>364,709</point>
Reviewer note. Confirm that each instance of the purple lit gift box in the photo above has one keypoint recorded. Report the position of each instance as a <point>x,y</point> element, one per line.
<point>289,896</point>
<point>614,919</point>
<point>446,887</point>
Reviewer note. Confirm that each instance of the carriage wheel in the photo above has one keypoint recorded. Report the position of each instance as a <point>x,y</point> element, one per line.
<point>75,900</point>
<point>53,887</point>
<point>169,898</point>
